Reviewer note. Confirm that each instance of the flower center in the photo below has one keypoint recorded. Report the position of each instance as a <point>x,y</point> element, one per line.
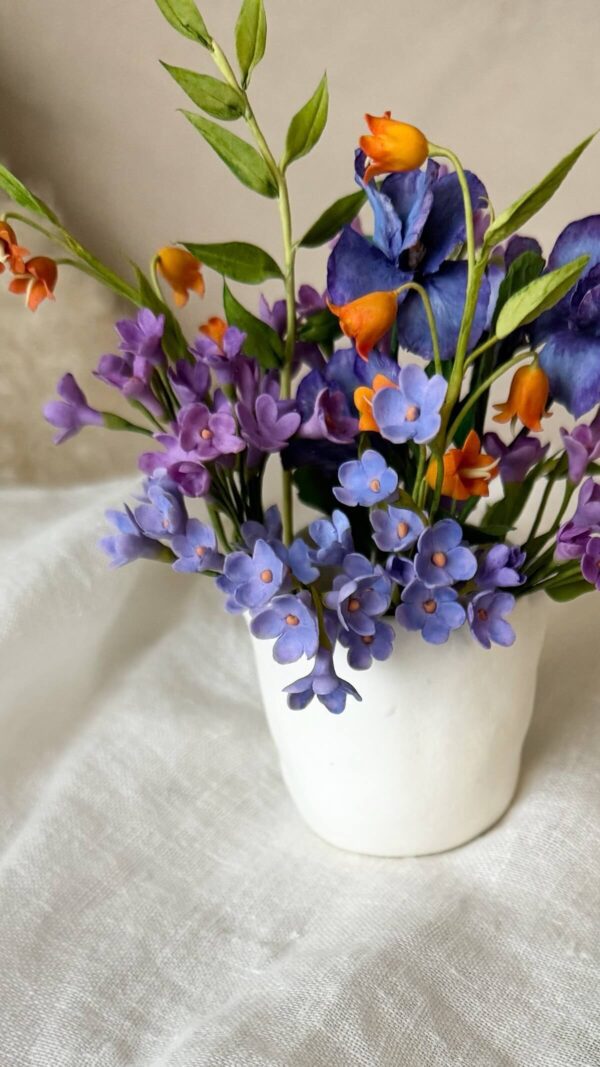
<point>375,485</point>
<point>412,413</point>
<point>266,576</point>
<point>353,604</point>
<point>206,434</point>
<point>200,550</point>
<point>482,615</point>
<point>402,529</point>
<point>439,559</point>
<point>368,639</point>
<point>292,620</point>
<point>429,606</point>
<point>165,524</point>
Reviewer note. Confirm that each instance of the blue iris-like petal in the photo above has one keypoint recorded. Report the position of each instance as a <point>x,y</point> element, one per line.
<point>356,267</point>
<point>572,362</point>
<point>446,291</point>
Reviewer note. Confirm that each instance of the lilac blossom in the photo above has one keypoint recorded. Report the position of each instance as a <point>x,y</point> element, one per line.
<point>132,376</point>
<point>333,539</point>
<point>254,579</point>
<point>366,481</point>
<point>571,541</point>
<point>269,426</point>
<point>582,446</point>
<point>499,567</point>
<point>359,595</point>
<point>208,434</point>
<point>270,530</point>
<point>587,513</point>
<point>325,399</point>
<point>362,650</point>
<point>435,612</point>
<point>330,419</point>
<point>141,337</point>
<point>411,411</point>
<point>300,559</point>
<point>130,542</point>
<point>322,682</point>
<point>163,515</point>
<point>197,549</point>
<point>486,613</point>
<point>290,620</point>
<point>395,529</point>
<point>441,559</point>
<point>400,569</point>
<point>590,562</point>
<point>516,458</point>
<point>189,381</point>
<point>72,412</point>
<point>184,467</point>
<point>226,586</point>
<point>221,357</point>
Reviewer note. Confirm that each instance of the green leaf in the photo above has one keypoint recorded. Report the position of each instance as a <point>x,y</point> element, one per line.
<point>522,271</point>
<point>241,158</point>
<point>564,591</point>
<point>24,197</point>
<point>542,293</point>
<point>307,125</point>
<point>262,342</point>
<point>250,37</point>
<point>174,343</point>
<point>526,206</point>
<point>212,95</point>
<point>505,512</point>
<point>339,214</point>
<point>322,328</point>
<point>237,260</point>
<point>183,15</point>
<point>479,535</point>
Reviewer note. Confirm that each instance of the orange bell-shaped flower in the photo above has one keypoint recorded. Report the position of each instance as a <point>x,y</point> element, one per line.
<point>10,252</point>
<point>215,328</point>
<point>367,319</point>
<point>392,145</point>
<point>363,400</point>
<point>527,398</point>
<point>37,280</point>
<point>467,470</point>
<point>182,271</point>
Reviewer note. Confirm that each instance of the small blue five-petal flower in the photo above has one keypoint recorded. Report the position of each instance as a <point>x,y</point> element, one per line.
<point>365,481</point>
<point>440,558</point>
<point>410,412</point>
<point>395,528</point>
<point>291,621</point>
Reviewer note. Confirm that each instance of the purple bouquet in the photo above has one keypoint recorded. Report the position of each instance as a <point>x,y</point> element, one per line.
<point>375,394</point>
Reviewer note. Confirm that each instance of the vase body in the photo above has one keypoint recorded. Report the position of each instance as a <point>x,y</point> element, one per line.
<point>429,759</point>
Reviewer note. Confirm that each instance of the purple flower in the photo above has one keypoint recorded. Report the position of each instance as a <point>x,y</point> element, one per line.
<point>411,412</point>
<point>366,481</point>
<point>395,528</point>
<point>221,357</point>
<point>208,434</point>
<point>300,559</point>
<point>333,539</point>
<point>322,682</point>
<point>325,399</point>
<point>132,376</point>
<point>587,513</point>
<point>72,412</point>
<point>582,446</point>
<point>130,542</point>
<point>228,587</point>
<point>183,467</point>
<point>359,595</point>
<point>254,579</point>
<point>400,569</point>
<point>362,650</point>
<point>197,549</point>
<point>330,419</point>
<point>270,425</point>
<point>440,558</point>
<point>270,530</point>
<point>141,337</point>
<point>590,563</point>
<point>433,611</point>
<point>163,515</point>
<point>290,620</point>
<point>571,541</point>
<point>516,458</point>
<point>190,381</point>
<point>485,612</point>
<point>499,567</point>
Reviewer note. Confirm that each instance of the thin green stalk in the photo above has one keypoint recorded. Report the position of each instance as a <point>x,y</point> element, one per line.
<point>550,481</point>
<point>474,397</point>
<point>420,471</point>
<point>477,352</point>
<point>435,343</point>
<point>217,524</point>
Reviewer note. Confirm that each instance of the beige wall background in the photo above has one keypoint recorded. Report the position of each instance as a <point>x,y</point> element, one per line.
<point>88,118</point>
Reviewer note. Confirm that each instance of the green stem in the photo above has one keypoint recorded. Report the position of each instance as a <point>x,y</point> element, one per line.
<point>419,474</point>
<point>477,352</point>
<point>115,422</point>
<point>435,343</point>
<point>217,524</point>
<point>474,397</point>
<point>550,481</point>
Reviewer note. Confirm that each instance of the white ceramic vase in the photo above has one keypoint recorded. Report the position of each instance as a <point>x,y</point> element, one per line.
<point>429,759</point>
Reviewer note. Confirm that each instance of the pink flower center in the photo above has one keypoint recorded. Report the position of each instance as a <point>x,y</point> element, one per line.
<point>292,620</point>
<point>429,606</point>
<point>266,576</point>
<point>412,413</point>
<point>439,559</point>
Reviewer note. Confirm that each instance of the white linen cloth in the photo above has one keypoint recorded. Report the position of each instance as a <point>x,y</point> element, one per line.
<point>162,904</point>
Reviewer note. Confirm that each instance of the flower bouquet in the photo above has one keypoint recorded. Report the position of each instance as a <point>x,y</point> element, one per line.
<point>375,395</point>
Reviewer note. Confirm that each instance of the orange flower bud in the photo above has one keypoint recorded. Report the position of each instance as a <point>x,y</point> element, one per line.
<point>467,470</point>
<point>215,328</point>
<point>392,146</point>
<point>527,398</point>
<point>10,251</point>
<point>37,280</point>
<point>363,399</point>
<point>367,319</point>
<point>181,270</point>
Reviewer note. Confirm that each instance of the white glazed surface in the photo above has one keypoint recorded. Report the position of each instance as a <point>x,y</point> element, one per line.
<point>429,759</point>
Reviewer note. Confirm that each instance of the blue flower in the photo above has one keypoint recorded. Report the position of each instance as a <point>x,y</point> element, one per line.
<point>440,558</point>
<point>395,528</point>
<point>228,588</point>
<point>410,412</point>
<point>197,549</point>
<point>333,539</point>
<point>362,650</point>
<point>164,514</point>
<point>254,579</point>
<point>359,595</point>
<point>322,682</point>
<point>366,480</point>
<point>400,569</point>
<point>486,611</point>
<point>499,567</point>
<point>270,530</point>
<point>435,612</point>
<point>130,542</point>
<point>325,399</point>
<point>571,329</point>
<point>290,620</point>
<point>300,558</point>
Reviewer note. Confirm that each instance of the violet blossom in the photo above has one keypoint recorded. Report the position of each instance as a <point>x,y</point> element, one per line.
<point>130,542</point>
<point>293,623</point>
<point>365,481</point>
<point>582,445</point>
<point>270,425</point>
<point>435,612</point>
<point>322,682</point>
<point>72,412</point>
<point>516,458</point>
<point>486,613</point>
<point>197,549</point>
<point>363,649</point>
